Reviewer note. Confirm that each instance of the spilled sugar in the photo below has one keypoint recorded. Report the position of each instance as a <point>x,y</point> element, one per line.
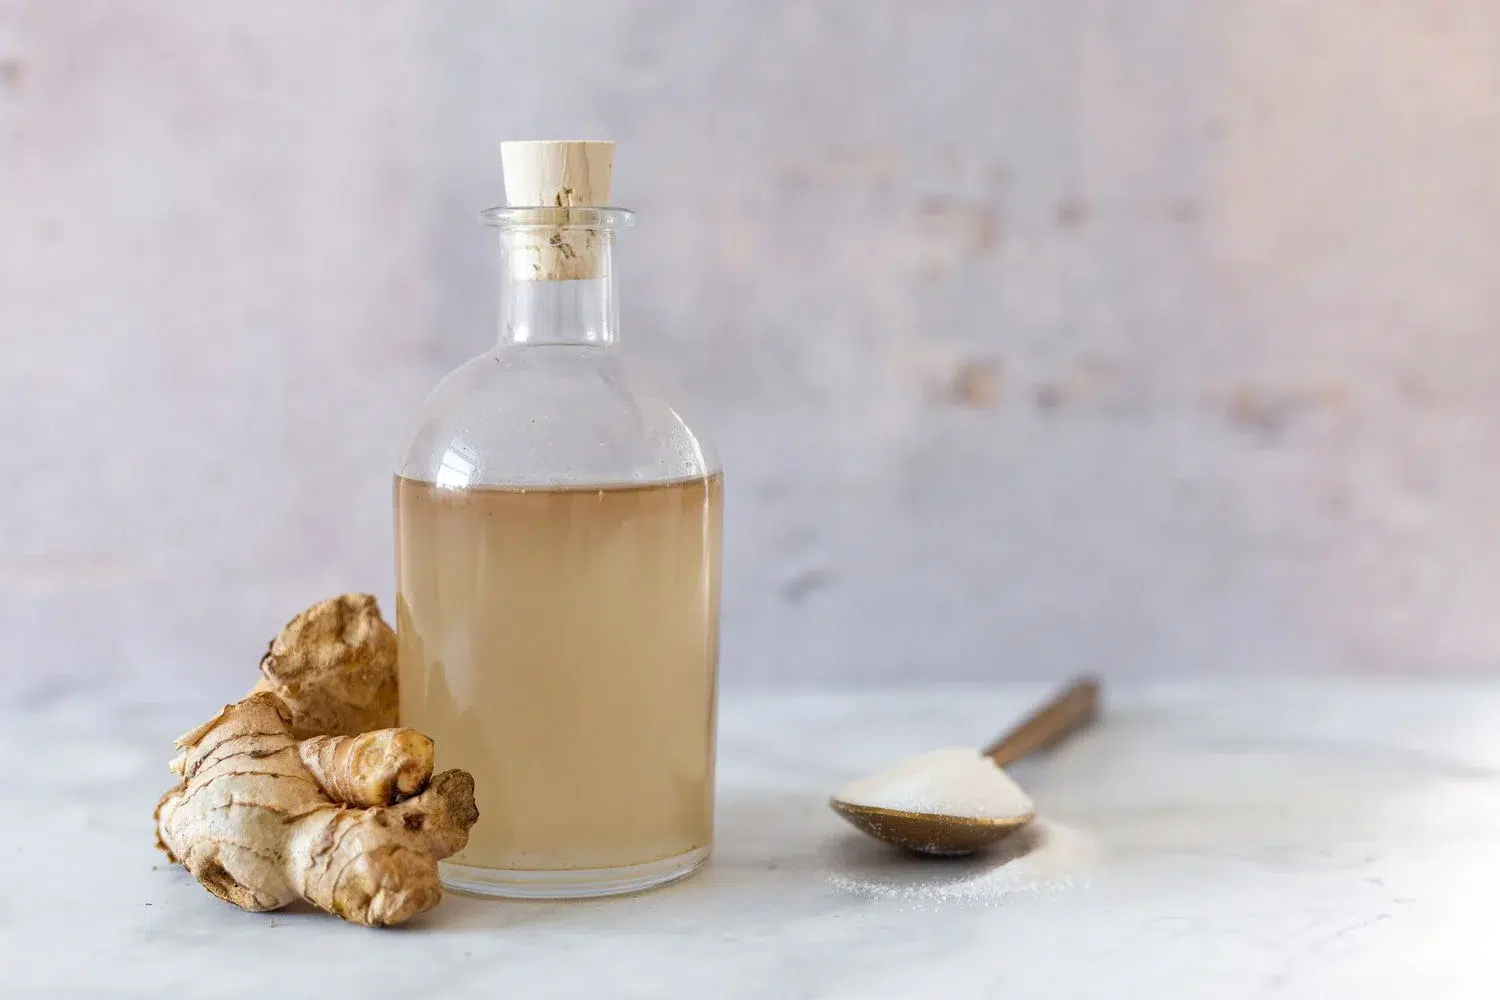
<point>954,781</point>
<point>1041,857</point>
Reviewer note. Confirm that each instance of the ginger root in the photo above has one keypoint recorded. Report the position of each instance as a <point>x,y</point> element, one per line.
<point>352,823</point>
<point>334,666</point>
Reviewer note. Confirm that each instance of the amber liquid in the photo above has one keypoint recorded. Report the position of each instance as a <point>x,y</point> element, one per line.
<point>562,646</point>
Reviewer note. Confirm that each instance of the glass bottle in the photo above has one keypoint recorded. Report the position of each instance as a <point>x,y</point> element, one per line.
<point>558,547</point>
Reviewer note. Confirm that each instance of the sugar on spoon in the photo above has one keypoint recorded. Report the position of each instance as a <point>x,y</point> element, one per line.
<point>957,801</point>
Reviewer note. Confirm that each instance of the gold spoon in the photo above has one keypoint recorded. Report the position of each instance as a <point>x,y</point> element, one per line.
<point>938,833</point>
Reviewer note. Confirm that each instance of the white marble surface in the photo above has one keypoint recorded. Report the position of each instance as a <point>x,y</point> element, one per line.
<point>1284,839</point>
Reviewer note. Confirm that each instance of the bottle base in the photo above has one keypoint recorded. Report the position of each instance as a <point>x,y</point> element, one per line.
<point>580,883</point>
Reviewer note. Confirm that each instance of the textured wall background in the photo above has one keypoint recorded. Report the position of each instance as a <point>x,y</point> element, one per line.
<point>1131,336</point>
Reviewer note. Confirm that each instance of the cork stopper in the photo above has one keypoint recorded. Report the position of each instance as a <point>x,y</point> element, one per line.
<point>557,175</point>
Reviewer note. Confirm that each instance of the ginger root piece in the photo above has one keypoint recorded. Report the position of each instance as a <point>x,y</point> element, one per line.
<point>262,818</point>
<point>305,790</point>
<point>372,769</point>
<point>334,666</point>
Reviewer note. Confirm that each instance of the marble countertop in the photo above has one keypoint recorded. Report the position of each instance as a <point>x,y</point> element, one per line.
<point>1245,839</point>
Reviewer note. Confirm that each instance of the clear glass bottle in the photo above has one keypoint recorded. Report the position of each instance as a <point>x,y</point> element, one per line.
<point>558,546</point>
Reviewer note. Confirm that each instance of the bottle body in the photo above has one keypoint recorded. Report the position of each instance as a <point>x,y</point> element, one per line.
<point>561,645</point>
<point>558,556</point>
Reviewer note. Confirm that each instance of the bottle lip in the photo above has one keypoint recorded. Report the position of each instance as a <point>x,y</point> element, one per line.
<point>553,217</point>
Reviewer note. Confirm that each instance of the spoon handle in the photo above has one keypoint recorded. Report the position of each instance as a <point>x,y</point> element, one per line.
<point>1073,708</point>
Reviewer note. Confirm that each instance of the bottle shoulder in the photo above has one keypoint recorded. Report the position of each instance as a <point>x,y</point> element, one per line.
<point>550,416</point>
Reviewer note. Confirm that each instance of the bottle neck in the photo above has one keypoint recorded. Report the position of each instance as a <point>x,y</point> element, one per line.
<point>543,301</point>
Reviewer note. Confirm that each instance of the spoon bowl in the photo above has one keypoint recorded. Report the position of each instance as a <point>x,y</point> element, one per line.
<point>944,834</point>
<point>930,833</point>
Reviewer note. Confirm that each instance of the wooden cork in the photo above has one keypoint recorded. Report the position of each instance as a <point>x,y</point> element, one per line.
<point>556,175</point>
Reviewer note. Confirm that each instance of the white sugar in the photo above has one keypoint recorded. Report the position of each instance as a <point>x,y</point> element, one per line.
<point>1041,858</point>
<point>954,781</point>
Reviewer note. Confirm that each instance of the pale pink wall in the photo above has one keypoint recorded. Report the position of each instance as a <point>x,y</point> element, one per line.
<point>1138,337</point>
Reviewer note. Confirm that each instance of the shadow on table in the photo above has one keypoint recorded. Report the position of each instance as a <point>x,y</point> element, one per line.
<point>781,847</point>
<point>765,842</point>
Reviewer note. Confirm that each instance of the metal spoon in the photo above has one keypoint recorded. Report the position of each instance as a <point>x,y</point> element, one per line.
<point>937,833</point>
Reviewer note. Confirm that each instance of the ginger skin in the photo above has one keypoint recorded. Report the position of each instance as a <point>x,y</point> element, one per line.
<point>354,824</point>
<point>371,769</point>
<point>334,666</point>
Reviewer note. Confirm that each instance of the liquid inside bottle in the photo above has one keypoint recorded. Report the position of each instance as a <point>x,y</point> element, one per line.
<point>558,546</point>
<point>560,645</point>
